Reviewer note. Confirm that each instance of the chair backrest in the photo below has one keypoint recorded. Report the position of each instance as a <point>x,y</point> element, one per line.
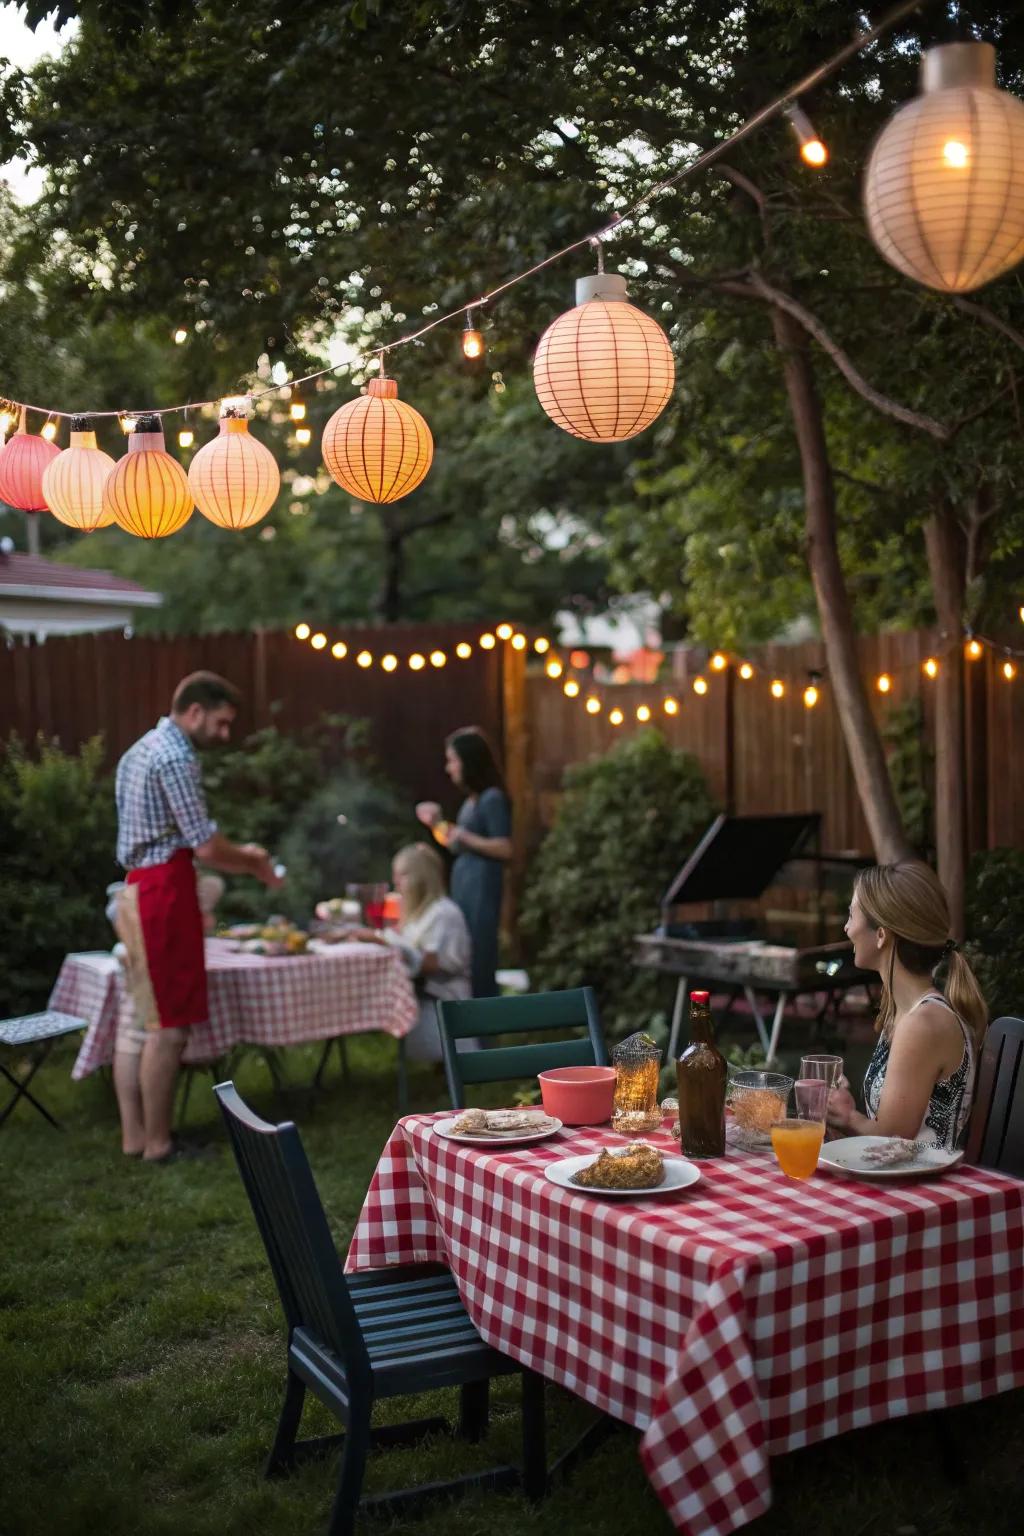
<point>294,1229</point>
<point>996,1137</point>
<point>534,1013</point>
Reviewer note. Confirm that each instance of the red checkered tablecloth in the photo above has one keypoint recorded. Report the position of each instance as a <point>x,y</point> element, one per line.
<point>731,1322</point>
<point>254,999</point>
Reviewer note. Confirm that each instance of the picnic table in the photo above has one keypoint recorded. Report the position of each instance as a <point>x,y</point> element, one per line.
<point>731,1322</point>
<point>261,1000</point>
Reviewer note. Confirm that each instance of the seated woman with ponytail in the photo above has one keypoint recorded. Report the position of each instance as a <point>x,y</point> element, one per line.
<point>920,1080</point>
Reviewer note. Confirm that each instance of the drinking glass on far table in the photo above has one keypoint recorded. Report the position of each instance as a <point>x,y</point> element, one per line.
<point>797,1140</point>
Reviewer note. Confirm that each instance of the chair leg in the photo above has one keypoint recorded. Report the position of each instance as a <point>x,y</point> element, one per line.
<point>282,1456</point>
<point>535,1469</point>
<point>350,1478</point>
<point>474,1400</point>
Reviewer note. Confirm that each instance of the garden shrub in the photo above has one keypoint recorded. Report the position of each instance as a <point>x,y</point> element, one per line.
<point>625,825</point>
<point>57,832</point>
<point>995,925</point>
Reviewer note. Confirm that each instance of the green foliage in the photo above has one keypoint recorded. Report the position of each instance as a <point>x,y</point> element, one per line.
<point>624,826</point>
<point>910,763</point>
<point>318,802</point>
<point>995,926</point>
<point>57,829</point>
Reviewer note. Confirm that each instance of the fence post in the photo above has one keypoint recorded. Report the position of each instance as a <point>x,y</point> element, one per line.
<point>518,778</point>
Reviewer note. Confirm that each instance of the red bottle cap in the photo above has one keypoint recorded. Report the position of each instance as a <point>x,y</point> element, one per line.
<point>700,997</point>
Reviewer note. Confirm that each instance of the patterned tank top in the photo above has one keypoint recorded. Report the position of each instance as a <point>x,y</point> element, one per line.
<point>949,1107</point>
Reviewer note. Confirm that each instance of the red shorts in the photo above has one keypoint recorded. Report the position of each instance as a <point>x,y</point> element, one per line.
<point>171,931</point>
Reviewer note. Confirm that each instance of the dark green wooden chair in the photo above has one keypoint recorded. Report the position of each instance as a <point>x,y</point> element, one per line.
<point>354,1339</point>
<point>996,1136</point>
<point>535,1013</point>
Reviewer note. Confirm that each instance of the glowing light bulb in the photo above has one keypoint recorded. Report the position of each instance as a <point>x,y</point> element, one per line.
<point>487,642</point>
<point>297,411</point>
<point>671,706</point>
<point>973,650</point>
<point>1020,610</point>
<point>463,650</point>
<point>777,689</point>
<point>810,696</point>
<point>579,659</point>
<point>1009,671</point>
<point>541,645</point>
<point>814,153</point>
<point>643,713</point>
<point>700,686</point>
<point>571,688</point>
<point>180,336</point>
<point>955,154</point>
<point>438,658</point>
<point>930,668</point>
<point>504,631</point>
<point>417,662</point>
<point>719,662</point>
<point>318,641</point>
<point>6,421</point>
<point>616,717</point>
<point>49,431</point>
<point>302,631</point>
<point>746,671</point>
<point>127,424</point>
<point>554,668</point>
<point>884,683</point>
<point>303,436</point>
<point>364,659</point>
<point>389,662</point>
<point>472,340</point>
<point>339,650</point>
<point>593,706</point>
<point>519,642</point>
<point>186,437</point>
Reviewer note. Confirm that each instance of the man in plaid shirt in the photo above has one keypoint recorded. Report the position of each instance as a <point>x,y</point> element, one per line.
<point>163,824</point>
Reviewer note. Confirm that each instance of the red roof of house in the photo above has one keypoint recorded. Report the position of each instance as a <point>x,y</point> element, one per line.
<point>18,570</point>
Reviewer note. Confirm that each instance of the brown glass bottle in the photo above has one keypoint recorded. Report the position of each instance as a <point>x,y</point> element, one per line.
<point>701,1072</point>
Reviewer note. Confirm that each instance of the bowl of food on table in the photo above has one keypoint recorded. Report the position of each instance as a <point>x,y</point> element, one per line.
<point>277,937</point>
<point>756,1101</point>
<point>578,1095</point>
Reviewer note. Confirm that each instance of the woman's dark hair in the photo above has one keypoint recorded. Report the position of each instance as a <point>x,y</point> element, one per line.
<point>480,768</point>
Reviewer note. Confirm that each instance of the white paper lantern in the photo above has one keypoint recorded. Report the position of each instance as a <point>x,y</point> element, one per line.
<point>604,370</point>
<point>944,189</point>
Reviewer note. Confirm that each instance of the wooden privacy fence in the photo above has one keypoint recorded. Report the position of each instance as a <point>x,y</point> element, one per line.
<point>70,688</point>
<point>759,754</point>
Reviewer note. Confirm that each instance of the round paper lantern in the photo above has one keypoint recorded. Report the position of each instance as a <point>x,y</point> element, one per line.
<point>22,462</point>
<point>73,482</point>
<point>234,479</point>
<point>604,370</point>
<point>944,193</point>
<point>147,491</point>
<point>378,448</point>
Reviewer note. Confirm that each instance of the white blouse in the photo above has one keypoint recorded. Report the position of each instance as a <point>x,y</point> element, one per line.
<point>439,930</point>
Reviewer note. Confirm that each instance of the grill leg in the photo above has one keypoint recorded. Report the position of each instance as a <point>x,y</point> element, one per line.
<point>773,1043</point>
<point>677,1018</point>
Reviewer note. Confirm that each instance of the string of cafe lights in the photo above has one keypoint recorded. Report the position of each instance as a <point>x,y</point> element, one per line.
<point>570,669</point>
<point>603,371</point>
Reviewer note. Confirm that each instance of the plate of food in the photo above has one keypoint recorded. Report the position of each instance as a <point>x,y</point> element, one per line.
<point>886,1157</point>
<point>630,1174</point>
<point>493,1127</point>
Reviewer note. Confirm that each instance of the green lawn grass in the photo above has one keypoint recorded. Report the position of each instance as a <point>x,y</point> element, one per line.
<point>142,1355</point>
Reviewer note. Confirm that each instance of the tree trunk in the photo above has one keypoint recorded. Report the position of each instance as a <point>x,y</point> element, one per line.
<point>944,543</point>
<point>863,742</point>
<point>389,604</point>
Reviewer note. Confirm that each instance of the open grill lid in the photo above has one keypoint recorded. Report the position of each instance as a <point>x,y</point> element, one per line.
<point>739,856</point>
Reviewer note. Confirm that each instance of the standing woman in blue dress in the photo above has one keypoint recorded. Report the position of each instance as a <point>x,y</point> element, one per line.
<point>481,844</point>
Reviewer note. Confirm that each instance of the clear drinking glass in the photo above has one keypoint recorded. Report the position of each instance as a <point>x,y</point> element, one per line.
<point>830,1068</point>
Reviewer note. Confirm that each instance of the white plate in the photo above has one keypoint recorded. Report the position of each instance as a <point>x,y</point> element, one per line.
<point>679,1174</point>
<point>494,1138</point>
<point>847,1156</point>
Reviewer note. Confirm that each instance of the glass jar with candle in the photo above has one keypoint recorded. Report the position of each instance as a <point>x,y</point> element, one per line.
<point>637,1062</point>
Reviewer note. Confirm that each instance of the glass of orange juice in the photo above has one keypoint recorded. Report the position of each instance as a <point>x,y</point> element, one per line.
<point>796,1143</point>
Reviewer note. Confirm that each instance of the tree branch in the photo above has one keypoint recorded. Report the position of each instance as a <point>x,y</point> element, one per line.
<point>994,322</point>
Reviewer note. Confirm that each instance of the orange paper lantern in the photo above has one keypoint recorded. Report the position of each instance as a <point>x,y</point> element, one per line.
<point>604,370</point>
<point>73,482</point>
<point>234,479</point>
<point>147,492</point>
<point>22,463</point>
<point>378,448</point>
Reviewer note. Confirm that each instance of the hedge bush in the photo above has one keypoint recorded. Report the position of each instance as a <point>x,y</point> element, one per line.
<point>995,925</point>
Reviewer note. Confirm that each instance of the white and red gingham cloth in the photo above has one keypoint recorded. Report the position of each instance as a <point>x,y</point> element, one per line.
<point>731,1322</point>
<point>254,999</point>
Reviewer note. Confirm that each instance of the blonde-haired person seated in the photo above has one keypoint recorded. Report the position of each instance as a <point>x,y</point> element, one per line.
<point>433,940</point>
<point>920,1080</point>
